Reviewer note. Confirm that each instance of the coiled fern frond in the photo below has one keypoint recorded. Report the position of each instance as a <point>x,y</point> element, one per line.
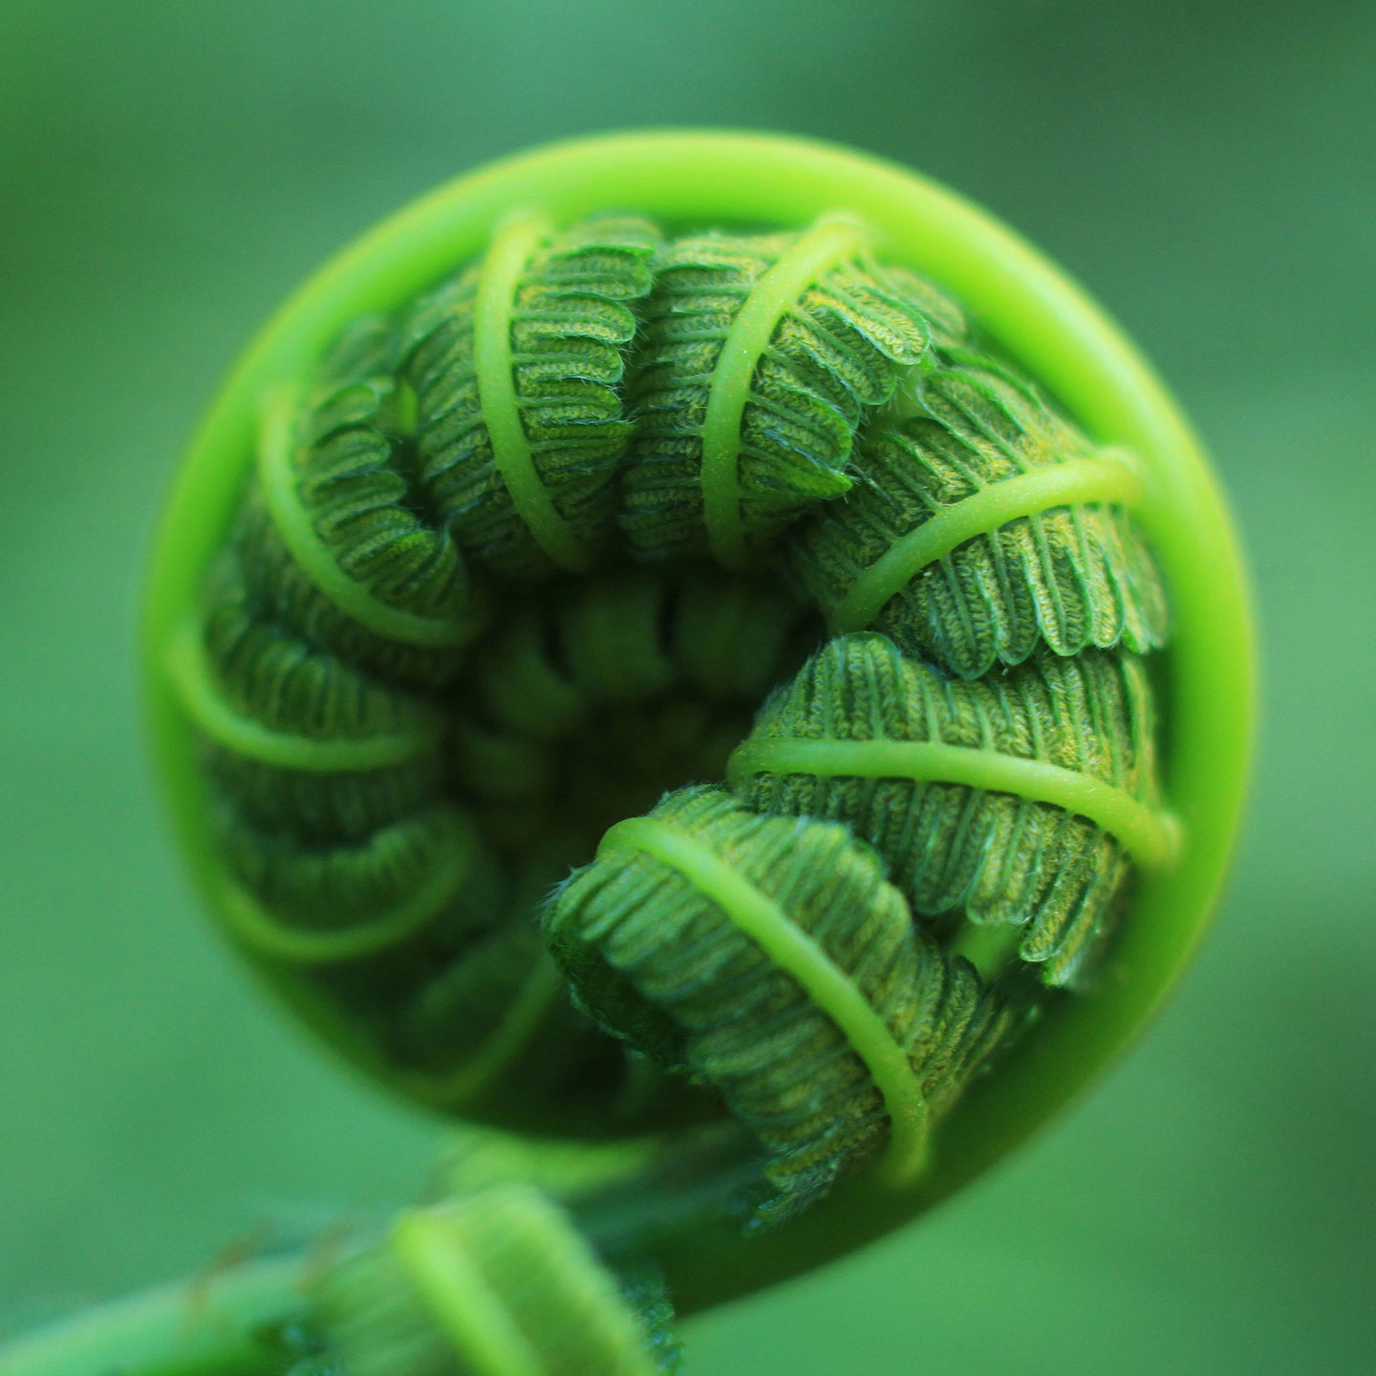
<point>769,958</point>
<point>518,564</point>
<point>391,765</point>
<point>527,552</point>
<point>547,503</point>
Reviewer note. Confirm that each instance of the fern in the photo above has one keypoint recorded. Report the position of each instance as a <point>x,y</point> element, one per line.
<point>657,956</point>
<point>1073,577</point>
<point>959,852</point>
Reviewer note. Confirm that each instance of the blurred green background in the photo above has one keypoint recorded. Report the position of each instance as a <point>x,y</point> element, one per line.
<point>169,170</point>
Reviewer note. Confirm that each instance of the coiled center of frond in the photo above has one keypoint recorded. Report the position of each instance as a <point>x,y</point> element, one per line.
<point>532,765</point>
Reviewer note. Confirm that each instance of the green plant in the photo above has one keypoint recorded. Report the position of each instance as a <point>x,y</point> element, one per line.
<point>443,439</point>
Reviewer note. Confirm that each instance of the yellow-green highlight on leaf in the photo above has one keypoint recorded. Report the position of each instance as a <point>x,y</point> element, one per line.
<point>1151,838</point>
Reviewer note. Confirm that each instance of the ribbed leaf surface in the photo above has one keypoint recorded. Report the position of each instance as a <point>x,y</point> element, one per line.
<point>833,358</point>
<point>279,679</point>
<point>536,1298</point>
<point>572,325</point>
<point>280,591</point>
<point>1072,577</point>
<point>657,961</point>
<point>352,477</point>
<point>957,851</point>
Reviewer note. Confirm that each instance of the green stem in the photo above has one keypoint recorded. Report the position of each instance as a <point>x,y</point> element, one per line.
<point>222,1323</point>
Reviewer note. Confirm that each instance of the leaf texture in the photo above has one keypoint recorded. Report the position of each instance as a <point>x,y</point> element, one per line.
<point>283,681</point>
<point>832,359</point>
<point>656,961</point>
<point>277,679</point>
<point>958,852</point>
<point>538,1301</point>
<point>351,465</point>
<point>572,324</point>
<point>279,590</point>
<point>1073,577</point>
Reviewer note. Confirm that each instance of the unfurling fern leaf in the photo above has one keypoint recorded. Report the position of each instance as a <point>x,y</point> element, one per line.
<point>517,365</point>
<point>763,357</point>
<point>1020,801</point>
<point>333,539</point>
<point>981,527</point>
<point>667,455</point>
<point>769,958</point>
<point>296,737</point>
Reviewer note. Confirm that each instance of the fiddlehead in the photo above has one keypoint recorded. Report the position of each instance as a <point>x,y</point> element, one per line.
<point>769,959</point>
<point>798,402</point>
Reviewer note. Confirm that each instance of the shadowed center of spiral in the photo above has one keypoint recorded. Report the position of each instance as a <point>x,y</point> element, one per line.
<point>591,699</point>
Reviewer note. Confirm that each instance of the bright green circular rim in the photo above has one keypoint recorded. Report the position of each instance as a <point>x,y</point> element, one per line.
<point>1043,320</point>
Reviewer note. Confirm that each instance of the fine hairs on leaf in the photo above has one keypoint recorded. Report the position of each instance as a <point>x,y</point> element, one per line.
<point>1072,576</point>
<point>568,322</point>
<point>960,853</point>
<point>823,361</point>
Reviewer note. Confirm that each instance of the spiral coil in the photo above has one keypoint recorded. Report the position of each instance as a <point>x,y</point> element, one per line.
<point>528,552</point>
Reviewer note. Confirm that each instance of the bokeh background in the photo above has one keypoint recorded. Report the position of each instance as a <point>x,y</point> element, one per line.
<point>168,171</point>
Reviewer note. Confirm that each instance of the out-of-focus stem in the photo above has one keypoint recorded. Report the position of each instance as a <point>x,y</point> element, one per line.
<point>222,1323</point>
